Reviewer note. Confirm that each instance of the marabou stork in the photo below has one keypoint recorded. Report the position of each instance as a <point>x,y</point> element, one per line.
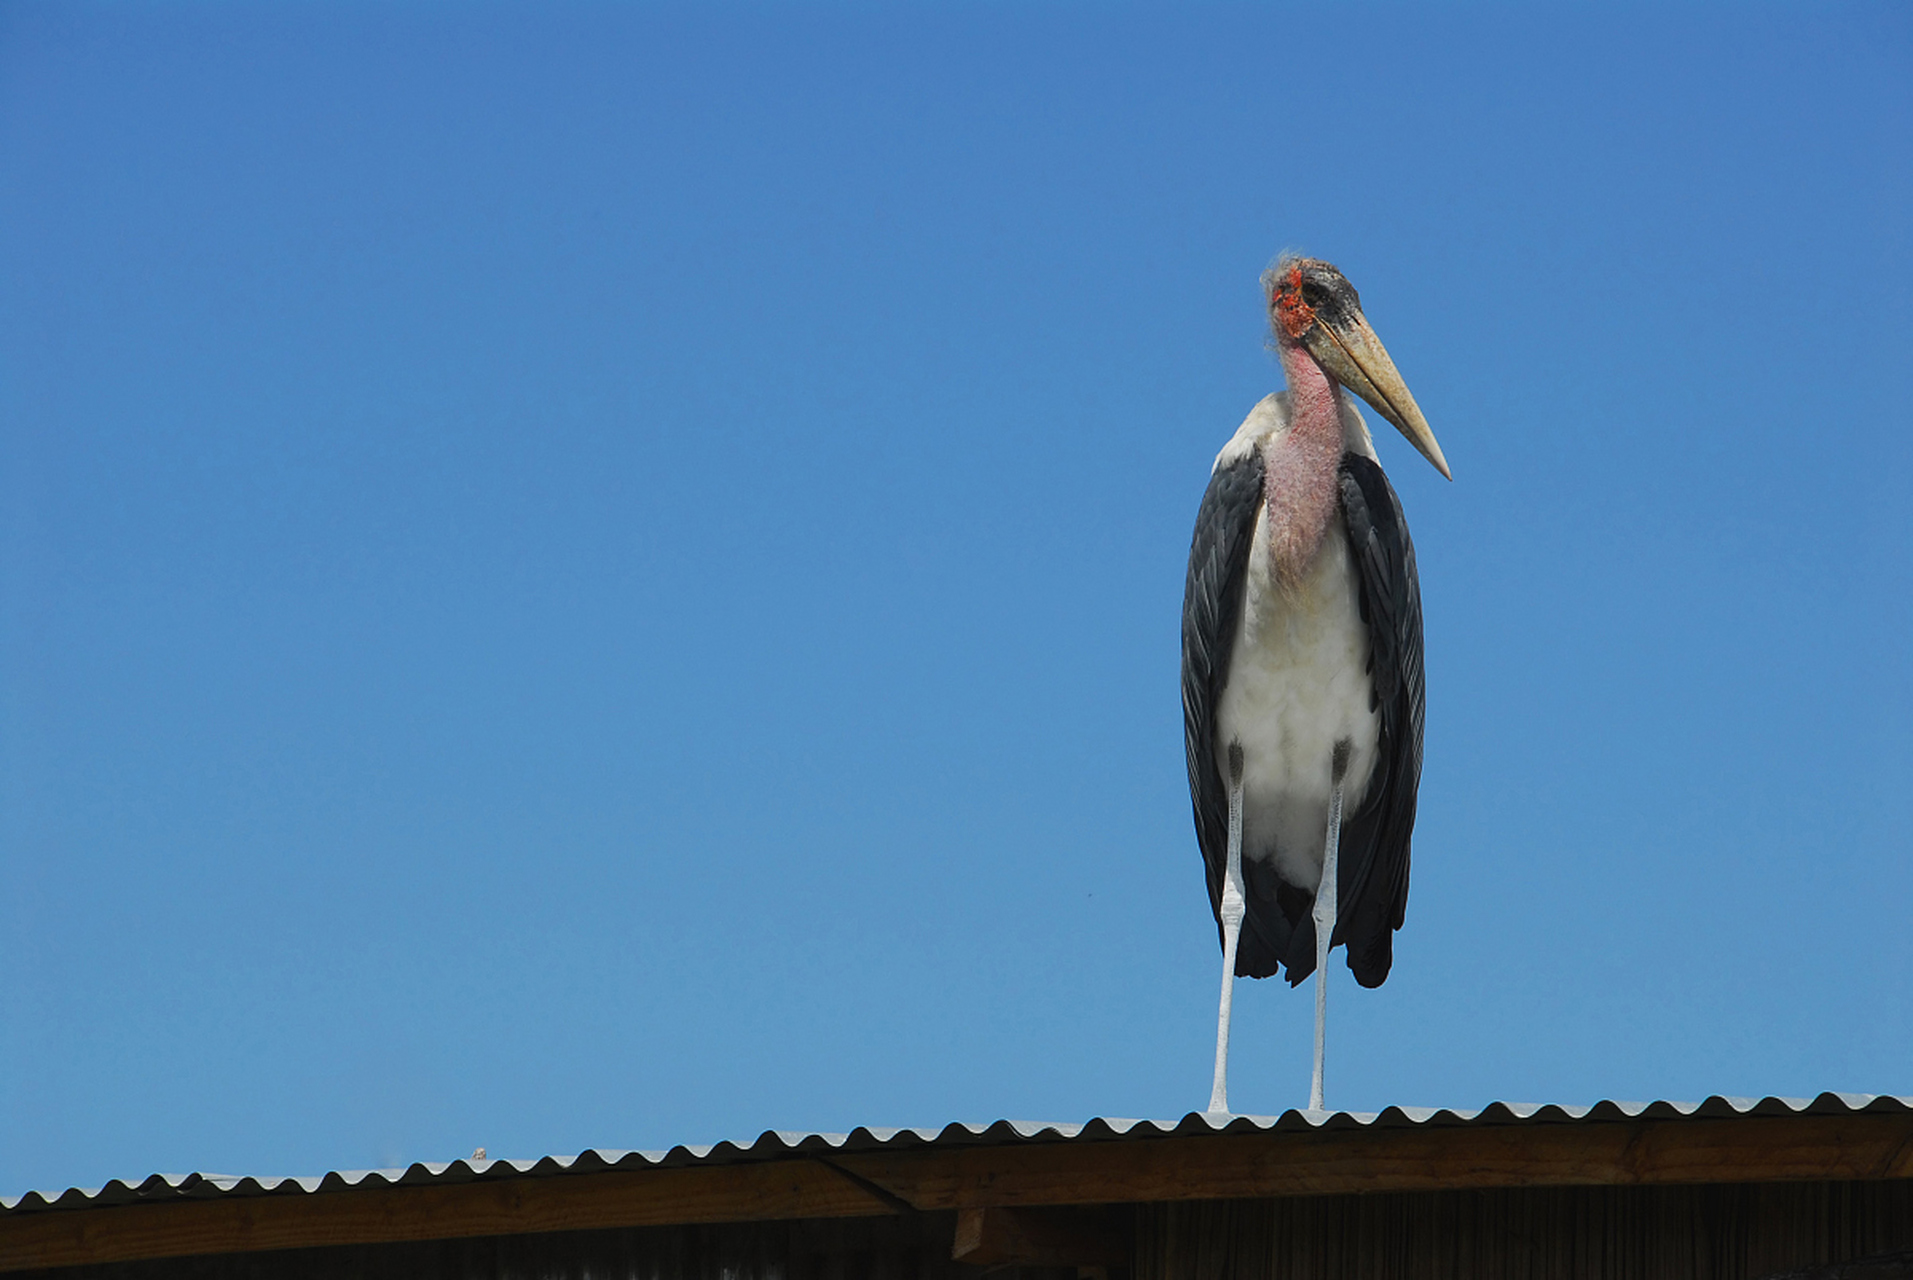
<point>1302,661</point>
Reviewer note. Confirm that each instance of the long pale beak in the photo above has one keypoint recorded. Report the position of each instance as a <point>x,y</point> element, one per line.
<point>1355,357</point>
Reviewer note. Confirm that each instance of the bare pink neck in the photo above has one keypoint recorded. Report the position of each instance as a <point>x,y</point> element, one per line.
<point>1298,478</point>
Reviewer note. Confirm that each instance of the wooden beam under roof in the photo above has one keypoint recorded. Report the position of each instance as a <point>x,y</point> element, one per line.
<point>1151,1168</point>
<point>1427,1158</point>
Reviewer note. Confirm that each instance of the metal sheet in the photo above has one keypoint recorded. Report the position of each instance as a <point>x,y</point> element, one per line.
<point>774,1144</point>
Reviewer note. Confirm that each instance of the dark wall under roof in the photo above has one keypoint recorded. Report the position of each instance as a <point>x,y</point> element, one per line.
<point>1738,1231</point>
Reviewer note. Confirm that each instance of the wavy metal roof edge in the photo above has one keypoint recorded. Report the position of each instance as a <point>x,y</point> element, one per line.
<point>775,1143</point>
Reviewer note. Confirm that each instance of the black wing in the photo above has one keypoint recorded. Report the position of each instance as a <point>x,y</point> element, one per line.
<point>1211,609</point>
<point>1374,857</point>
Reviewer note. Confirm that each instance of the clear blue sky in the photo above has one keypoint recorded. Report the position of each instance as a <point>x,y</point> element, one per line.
<point>589,576</point>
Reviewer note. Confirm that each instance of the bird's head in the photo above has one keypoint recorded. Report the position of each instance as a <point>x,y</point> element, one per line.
<point>1314,309</point>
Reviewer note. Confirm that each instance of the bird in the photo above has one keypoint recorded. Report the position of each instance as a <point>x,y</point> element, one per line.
<point>1302,686</point>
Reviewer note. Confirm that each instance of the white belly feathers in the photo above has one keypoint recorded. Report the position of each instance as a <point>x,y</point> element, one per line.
<point>1298,684</point>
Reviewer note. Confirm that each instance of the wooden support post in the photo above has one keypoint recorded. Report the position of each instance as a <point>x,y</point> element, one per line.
<point>1088,1238</point>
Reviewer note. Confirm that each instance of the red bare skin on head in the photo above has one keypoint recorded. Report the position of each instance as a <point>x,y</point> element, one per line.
<point>1293,316</point>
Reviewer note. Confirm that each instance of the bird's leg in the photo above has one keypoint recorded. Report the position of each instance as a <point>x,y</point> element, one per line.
<point>1324,915</point>
<point>1233,905</point>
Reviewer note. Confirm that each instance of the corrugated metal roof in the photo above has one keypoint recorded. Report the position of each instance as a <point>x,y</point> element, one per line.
<point>777,1144</point>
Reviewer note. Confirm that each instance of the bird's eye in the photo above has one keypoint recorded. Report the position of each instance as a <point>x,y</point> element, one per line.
<point>1314,294</point>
